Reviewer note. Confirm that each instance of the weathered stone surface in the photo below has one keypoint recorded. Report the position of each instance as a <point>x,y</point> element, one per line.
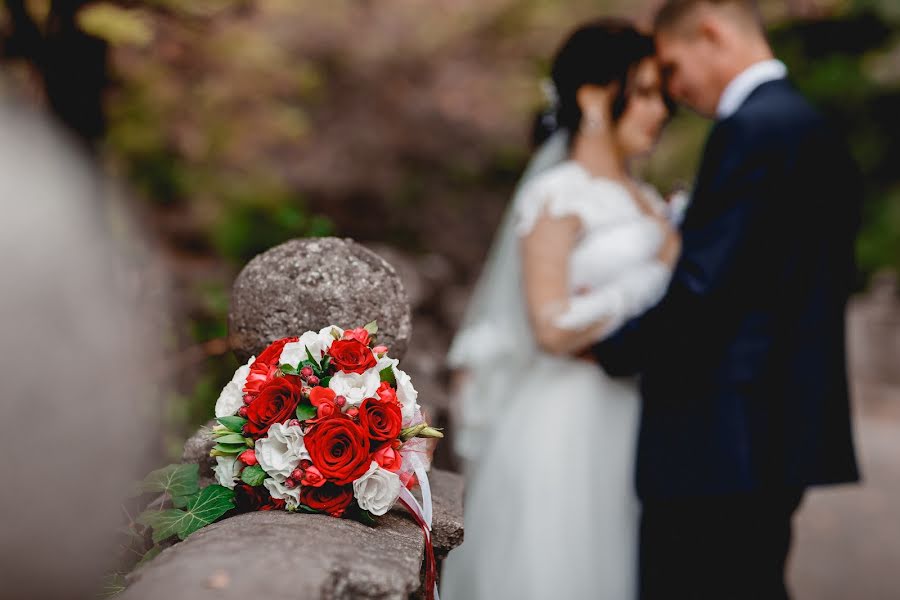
<point>283,555</point>
<point>309,284</point>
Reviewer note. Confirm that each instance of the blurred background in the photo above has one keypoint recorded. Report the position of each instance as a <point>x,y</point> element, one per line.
<point>239,124</point>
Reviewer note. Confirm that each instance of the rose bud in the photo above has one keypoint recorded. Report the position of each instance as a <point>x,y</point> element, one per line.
<point>242,412</point>
<point>340,401</point>
<point>306,372</point>
<point>248,457</point>
<point>290,483</point>
<point>293,423</point>
<point>312,380</point>
<point>352,412</point>
<point>312,477</point>
<point>380,349</point>
<point>297,474</point>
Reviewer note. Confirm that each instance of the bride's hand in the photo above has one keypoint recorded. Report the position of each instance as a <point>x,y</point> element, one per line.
<point>670,249</point>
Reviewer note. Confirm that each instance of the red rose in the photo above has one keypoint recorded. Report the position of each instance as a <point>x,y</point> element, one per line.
<point>250,499</point>
<point>265,367</point>
<point>358,334</point>
<point>352,356</point>
<point>329,498</point>
<point>321,394</point>
<point>275,403</point>
<point>327,409</point>
<point>312,477</point>
<point>386,393</point>
<point>388,457</point>
<point>381,420</point>
<point>339,448</point>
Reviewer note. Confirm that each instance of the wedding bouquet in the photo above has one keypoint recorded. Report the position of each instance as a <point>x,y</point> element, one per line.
<point>322,423</point>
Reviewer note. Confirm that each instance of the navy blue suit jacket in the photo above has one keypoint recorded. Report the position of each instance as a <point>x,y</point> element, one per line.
<point>742,364</point>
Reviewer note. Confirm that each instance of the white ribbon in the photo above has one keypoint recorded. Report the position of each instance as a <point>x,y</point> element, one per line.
<point>424,513</point>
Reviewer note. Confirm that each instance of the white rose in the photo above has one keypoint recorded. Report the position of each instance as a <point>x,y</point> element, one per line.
<point>355,387</point>
<point>227,470</point>
<point>232,396</point>
<point>318,343</point>
<point>377,490</point>
<point>281,451</point>
<point>278,490</point>
<point>407,395</point>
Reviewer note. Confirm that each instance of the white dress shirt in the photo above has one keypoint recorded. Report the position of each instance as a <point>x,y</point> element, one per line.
<point>744,84</point>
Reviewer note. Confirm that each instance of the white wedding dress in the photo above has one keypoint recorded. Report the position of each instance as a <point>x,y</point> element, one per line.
<point>549,442</point>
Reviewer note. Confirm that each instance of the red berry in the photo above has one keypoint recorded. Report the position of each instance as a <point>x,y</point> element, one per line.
<point>297,474</point>
<point>248,457</point>
<point>247,399</point>
<point>290,483</point>
<point>340,401</point>
<point>312,380</point>
<point>306,372</point>
<point>305,463</point>
<point>242,412</point>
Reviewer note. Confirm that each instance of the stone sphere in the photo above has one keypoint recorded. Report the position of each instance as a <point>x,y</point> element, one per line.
<point>308,284</point>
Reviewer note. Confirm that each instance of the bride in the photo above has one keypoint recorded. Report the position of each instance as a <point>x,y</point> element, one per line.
<point>547,437</point>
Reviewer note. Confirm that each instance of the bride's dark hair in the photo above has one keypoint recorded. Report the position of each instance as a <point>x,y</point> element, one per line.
<point>602,52</point>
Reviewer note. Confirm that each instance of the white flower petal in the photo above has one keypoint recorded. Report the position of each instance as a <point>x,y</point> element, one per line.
<point>377,490</point>
<point>281,451</point>
<point>232,397</point>
<point>227,470</point>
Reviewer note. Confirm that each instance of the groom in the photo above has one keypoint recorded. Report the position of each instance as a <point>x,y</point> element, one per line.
<point>745,400</point>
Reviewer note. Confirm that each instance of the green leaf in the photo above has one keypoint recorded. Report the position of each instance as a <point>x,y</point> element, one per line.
<point>175,480</point>
<point>307,509</point>
<point>387,374</point>
<point>326,362</point>
<point>113,585</point>
<point>182,501</point>
<point>305,411</point>
<point>310,358</point>
<point>372,327</point>
<point>234,424</point>
<point>229,448</point>
<point>211,503</point>
<point>253,475</point>
<point>231,438</point>
<point>335,333</point>
<point>325,381</point>
<point>289,370</point>
<point>149,555</point>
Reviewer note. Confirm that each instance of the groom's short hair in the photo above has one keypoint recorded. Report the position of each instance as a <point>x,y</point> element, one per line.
<point>674,13</point>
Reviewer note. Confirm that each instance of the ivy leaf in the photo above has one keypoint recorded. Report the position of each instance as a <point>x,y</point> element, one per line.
<point>211,503</point>
<point>387,374</point>
<point>253,475</point>
<point>233,424</point>
<point>175,480</point>
<point>149,555</point>
<point>182,501</point>
<point>305,411</point>
<point>231,438</point>
<point>113,585</point>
